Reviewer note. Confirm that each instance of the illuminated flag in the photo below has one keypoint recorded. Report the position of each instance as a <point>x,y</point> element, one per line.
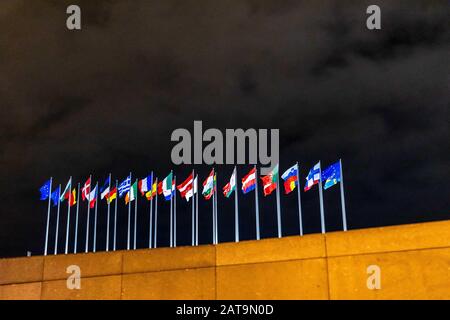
<point>65,194</point>
<point>131,195</point>
<point>104,191</point>
<point>45,190</point>
<point>168,186</point>
<point>93,197</point>
<point>331,175</point>
<point>313,177</point>
<point>270,181</point>
<point>208,186</point>
<point>145,184</point>
<point>230,186</point>
<point>55,197</point>
<point>73,198</point>
<point>186,187</point>
<point>249,181</point>
<point>86,189</point>
<point>150,194</point>
<point>124,186</point>
<point>112,195</point>
<point>290,179</point>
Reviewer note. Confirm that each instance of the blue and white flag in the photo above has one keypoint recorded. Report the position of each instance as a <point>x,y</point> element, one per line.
<point>313,177</point>
<point>124,186</point>
<point>331,175</point>
<point>55,197</point>
<point>105,189</point>
<point>45,190</point>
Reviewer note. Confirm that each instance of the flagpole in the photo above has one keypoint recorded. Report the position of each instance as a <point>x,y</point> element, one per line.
<point>48,215</point>
<point>57,222</point>
<point>68,217</point>
<point>193,213</point>
<point>156,215</point>
<point>115,217</point>
<point>344,214</point>
<point>171,212</point>
<point>213,212</point>
<point>322,214</point>
<point>135,215</point>
<point>129,215</point>
<point>95,217</point>
<point>174,212</point>
<point>150,213</point>
<point>109,213</point>
<point>236,207</point>
<point>196,210</point>
<point>300,220</point>
<point>76,220</point>
<point>217,215</point>
<point>258,236</point>
<point>88,213</point>
<point>278,204</point>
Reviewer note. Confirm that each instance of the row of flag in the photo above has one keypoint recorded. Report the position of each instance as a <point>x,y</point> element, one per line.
<point>149,187</point>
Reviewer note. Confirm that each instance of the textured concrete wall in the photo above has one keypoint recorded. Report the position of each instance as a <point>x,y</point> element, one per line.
<point>414,261</point>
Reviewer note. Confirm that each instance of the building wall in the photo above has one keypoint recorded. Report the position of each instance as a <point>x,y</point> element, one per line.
<point>414,262</point>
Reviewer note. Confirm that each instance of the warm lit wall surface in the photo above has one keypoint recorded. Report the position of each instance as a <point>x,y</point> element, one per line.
<point>414,262</point>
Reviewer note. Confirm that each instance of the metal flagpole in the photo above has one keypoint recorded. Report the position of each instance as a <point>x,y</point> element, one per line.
<point>109,213</point>
<point>135,216</point>
<point>171,213</point>
<point>300,220</point>
<point>88,213</point>
<point>196,209</point>
<point>236,208</point>
<point>48,215</point>
<point>174,212</point>
<point>258,236</point>
<point>344,214</point>
<point>57,222</point>
<point>322,215</point>
<point>193,213</point>
<point>95,218</point>
<point>76,220</point>
<point>129,215</point>
<point>68,217</point>
<point>155,234</point>
<point>278,205</point>
<point>150,213</point>
<point>213,213</point>
<point>216,215</point>
<point>115,218</point>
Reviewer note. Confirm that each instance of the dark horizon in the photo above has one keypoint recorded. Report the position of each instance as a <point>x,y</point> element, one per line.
<point>107,98</point>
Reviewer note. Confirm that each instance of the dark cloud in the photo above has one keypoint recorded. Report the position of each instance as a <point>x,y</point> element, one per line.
<point>107,98</point>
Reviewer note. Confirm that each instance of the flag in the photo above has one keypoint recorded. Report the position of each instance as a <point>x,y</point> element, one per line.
<point>269,181</point>
<point>168,186</point>
<point>186,187</point>
<point>112,195</point>
<point>160,191</point>
<point>131,195</point>
<point>45,190</point>
<point>208,186</point>
<point>86,189</point>
<point>151,193</point>
<point>55,197</point>
<point>249,181</point>
<point>93,197</point>
<point>290,179</point>
<point>104,191</point>
<point>73,198</point>
<point>124,186</point>
<point>230,186</point>
<point>331,175</point>
<point>65,194</point>
<point>145,185</point>
<point>313,177</point>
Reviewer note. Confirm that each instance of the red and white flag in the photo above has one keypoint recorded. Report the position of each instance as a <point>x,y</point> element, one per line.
<point>186,187</point>
<point>86,189</point>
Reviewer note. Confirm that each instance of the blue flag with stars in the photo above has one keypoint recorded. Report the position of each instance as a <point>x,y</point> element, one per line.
<point>55,197</point>
<point>45,190</point>
<point>331,175</point>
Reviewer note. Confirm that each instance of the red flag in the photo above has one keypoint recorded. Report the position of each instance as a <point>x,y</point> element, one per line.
<point>268,184</point>
<point>86,189</point>
<point>186,186</point>
<point>160,190</point>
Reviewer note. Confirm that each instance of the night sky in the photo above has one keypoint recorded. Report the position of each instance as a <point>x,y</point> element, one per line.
<point>106,99</point>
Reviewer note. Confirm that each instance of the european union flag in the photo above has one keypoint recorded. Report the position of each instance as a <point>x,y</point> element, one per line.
<point>45,190</point>
<point>331,175</point>
<point>55,197</point>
